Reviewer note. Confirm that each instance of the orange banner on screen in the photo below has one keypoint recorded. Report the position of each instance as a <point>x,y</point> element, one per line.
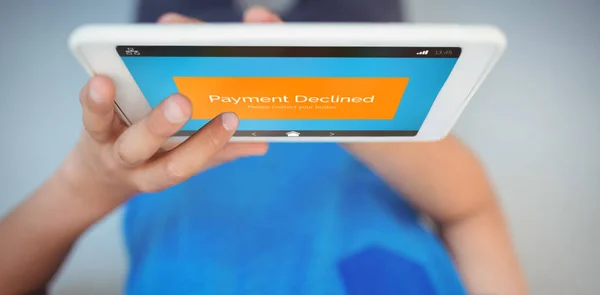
<point>266,98</point>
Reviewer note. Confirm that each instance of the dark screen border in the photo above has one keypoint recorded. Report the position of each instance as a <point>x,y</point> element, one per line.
<point>289,51</point>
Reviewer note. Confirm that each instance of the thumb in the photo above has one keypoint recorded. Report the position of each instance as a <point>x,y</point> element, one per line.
<point>259,14</point>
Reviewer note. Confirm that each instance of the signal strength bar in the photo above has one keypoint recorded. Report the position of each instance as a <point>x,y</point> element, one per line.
<point>424,52</point>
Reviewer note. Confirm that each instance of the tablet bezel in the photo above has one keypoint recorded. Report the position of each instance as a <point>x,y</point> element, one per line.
<point>481,46</point>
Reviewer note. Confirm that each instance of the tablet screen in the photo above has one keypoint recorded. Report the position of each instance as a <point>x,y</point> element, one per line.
<point>297,91</point>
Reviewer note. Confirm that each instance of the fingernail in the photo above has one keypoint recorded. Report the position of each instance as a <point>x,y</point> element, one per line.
<point>260,14</point>
<point>169,17</point>
<point>230,121</point>
<point>176,18</point>
<point>94,95</point>
<point>174,113</point>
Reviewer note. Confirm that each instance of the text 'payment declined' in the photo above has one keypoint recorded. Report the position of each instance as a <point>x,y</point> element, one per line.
<point>264,98</point>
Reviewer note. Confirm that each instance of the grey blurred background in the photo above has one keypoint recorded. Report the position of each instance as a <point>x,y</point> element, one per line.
<point>534,123</point>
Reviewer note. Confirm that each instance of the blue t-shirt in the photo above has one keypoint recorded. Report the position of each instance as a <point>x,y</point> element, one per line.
<point>304,219</point>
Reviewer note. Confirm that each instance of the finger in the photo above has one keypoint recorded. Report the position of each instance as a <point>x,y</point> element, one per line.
<point>142,140</point>
<point>189,157</point>
<point>235,151</point>
<point>118,124</point>
<point>259,14</point>
<point>244,149</point>
<point>176,18</point>
<point>97,102</point>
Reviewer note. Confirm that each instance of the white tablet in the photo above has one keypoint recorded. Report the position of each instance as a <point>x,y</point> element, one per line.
<point>298,82</point>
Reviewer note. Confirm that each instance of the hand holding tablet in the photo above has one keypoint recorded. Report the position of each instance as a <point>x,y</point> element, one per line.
<point>298,82</point>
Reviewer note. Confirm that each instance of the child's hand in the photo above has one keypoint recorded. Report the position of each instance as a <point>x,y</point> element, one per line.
<point>117,162</point>
<point>112,162</point>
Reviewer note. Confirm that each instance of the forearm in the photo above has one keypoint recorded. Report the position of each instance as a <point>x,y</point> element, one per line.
<point>483,252</point>
<point>442,179</point>
<point>36,237</point>
<point>445,181</point>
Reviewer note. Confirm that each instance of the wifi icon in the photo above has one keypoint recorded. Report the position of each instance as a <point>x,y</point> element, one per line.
<point>424,52</point>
